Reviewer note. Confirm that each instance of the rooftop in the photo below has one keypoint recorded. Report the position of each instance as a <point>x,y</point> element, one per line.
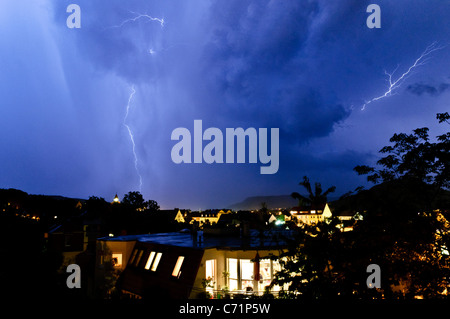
<point>256,239</point>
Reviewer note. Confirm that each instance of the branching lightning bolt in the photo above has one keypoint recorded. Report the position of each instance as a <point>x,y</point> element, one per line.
<point>137,17</point>
<point>395,84</point>
<point>130,133</point>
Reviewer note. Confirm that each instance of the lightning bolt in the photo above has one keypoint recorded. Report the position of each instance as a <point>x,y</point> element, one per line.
<point>137,17</point>
<point>130,133</point>
<point>395,84</point>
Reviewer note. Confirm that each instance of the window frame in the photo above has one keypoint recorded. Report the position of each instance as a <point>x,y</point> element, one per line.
<point>139,257</point>
<point>156,262</point>
<point>133,256</point>
<point>119,257</point>
<point>176,273</point>
<point>150,259</point>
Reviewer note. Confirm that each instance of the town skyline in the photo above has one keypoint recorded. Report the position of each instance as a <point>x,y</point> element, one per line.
<point>104,94</point>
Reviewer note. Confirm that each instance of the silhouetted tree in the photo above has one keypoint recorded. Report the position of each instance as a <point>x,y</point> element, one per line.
<point>413,156</point>
<point>97,207</point>
<point>151,205</point>
<point>405,229</point>
<point>314,198</point>
<point>134,200</point>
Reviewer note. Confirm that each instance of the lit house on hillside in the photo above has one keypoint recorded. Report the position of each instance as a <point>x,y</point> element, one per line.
<point>310,214</point>
<point>314,214</point>
<point>209,216</point>
<point>177,265</point>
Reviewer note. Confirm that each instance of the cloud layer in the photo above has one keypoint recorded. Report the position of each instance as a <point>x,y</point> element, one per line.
<point>305,67</point>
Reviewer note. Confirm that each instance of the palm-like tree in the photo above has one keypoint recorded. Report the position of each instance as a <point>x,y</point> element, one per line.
<point>315,198</point>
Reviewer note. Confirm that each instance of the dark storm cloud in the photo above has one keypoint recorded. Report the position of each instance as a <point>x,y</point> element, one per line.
<point>113,42</point>
<point>302,66</point>
<point>248,63</point>
<point>256,58</point>
<point>432,90</point>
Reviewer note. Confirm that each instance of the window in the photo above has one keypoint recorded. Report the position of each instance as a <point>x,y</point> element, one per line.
<point>211,269</point>
<point>133,256</point>
<point>117,260</point>
<point>156,262</point>
<point>138,259</point>
<point>241,274</point>
<point>150,260</point>
<point>233,271</point>
<point>153,261</point>
<point>177,269</point>
<point>246,274</point>
<point>210,273</point>
<point>266,274</point>
<point>67,240</point>
<point>277,267</point>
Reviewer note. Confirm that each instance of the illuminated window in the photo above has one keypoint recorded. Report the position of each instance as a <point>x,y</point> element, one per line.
<point>150,260</point>
<point>177,269</point>
<point>277,267</point>
<point>246,274</point>
<point>210,272</point>
<point>233,273</point>
<point>117,260</point>
<point>153,261</point>
<point>210,269</point>
<point>266,274</point>
<point>241,275</point>
<point>156,262</point>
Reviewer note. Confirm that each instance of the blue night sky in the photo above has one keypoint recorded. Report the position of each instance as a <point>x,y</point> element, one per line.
<point>305,67</point>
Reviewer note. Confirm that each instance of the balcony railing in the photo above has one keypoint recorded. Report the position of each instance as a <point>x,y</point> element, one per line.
<point>237,294</point>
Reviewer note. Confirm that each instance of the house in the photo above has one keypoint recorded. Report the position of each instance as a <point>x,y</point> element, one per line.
<point>179,217</point>
<point>314,214</point>
<point>279,217</point>
<point>176,265</point>
<point>310,214</point>
<point>207,216</point>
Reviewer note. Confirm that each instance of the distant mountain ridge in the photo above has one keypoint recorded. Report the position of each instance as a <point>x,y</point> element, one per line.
<point>272,202</point>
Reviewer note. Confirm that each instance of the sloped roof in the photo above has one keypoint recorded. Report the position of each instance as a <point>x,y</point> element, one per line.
<point>255,240</point>
<point>308,209</point>
<point>160,283</point>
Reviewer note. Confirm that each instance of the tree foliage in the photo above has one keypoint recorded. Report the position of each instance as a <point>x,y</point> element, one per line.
<point>132,215</point>
<point>405,229</point>
<point>134,199</point>
<point>414,156</point>
<point>314,198</point>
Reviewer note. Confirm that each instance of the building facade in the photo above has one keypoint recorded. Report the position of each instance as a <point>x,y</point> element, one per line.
<point>178,266</point>
<point>310,214</point>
